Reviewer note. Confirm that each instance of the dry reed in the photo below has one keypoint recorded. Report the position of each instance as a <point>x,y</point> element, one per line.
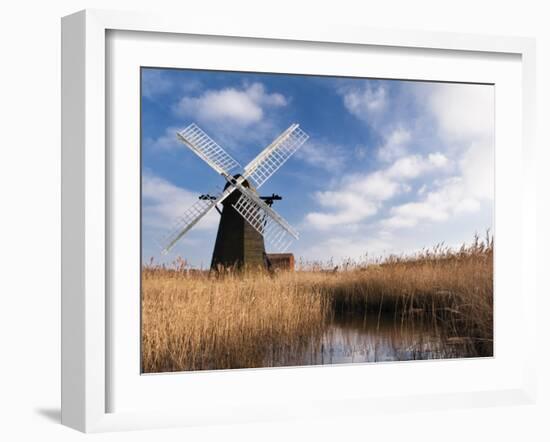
<point>194,320</point>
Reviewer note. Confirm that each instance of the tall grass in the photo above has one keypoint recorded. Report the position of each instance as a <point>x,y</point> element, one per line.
<point>194,320</point>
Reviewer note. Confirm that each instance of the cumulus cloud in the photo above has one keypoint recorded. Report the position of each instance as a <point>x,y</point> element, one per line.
<point>358,196</point>
<point>395,145</point>
<point>465,121</point>
<point>413,166</point>
<point>242,107</point>
<point>351,210</point>
<point>464,112</point>
<point>439,205</point>
<point>235,116</point>
<point>465,117</point>
<point>366,102</point>
<point>322,154</point>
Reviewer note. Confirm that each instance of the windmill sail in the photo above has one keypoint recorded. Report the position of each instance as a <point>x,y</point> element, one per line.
<point>252,208</point>
<point>275,155</point>
<point>192,216</point>
<point>207,149</point>
<point>273,227</point>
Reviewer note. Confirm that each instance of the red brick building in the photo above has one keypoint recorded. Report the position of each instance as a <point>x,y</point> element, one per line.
<point>281,261</point>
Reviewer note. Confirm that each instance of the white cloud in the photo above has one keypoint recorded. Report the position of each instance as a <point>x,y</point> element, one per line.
<point>465,116</point>
<point>167,141</point>
<point>395,145</point>
<point>413,166</point>
<point>164,202</point>
<point>437,159</point>
<point>465,112</point>
<point>340,248</point>
<point>322,154</point>
<point>358,197</point>
<point>154,82</point>
<point>190,85</point>
<point>354,210</point>
<point>465,120</point>
<point>257,92</point>
<point>450,199</point>
<point>230,116</point>
<point>377,185</point>
<point>367,102</point>
<point>355,215</point>
<point>242,107</point>
<point>409,214</point>
<point>467,205</point>
<point>477,166</point>
<point>235,117</point>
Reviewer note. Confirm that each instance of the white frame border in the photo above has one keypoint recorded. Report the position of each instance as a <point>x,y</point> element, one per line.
<point>84,201</point>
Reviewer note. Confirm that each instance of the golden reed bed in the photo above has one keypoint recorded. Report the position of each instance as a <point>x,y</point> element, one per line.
<point>195,320</point>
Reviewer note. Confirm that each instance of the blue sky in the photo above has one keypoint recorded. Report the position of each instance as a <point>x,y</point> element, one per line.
<point>391,166</point>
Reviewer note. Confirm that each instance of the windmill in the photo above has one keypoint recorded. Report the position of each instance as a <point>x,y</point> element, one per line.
<point>247,220</point>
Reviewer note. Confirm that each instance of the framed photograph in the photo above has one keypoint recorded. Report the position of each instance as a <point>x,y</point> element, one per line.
<point>265,222</point>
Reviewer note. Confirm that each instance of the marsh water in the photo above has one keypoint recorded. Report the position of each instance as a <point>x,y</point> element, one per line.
<point>373,338</point>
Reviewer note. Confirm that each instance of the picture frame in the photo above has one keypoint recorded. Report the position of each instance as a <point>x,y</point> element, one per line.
<point>87,318</point>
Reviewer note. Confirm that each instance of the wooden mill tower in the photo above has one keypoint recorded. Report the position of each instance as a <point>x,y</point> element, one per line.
<point>238,244</point>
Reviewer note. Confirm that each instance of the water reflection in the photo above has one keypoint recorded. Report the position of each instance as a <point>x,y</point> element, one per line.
<point>374,338</point>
